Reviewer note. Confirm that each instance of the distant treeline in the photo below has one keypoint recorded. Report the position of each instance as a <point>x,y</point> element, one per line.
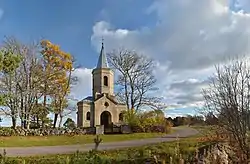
<point>209,119</point>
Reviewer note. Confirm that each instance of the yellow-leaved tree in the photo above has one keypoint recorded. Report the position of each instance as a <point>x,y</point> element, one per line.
<point>58,67</point>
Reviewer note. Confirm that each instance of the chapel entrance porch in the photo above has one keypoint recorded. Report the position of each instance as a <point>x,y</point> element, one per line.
<point>106,119</point>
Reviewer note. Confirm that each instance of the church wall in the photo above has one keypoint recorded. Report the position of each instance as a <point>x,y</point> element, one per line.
<point>121,108</point>
<point>110,88</point>
<point>86,108</point>
<point>79,116</point>
<point>92,116</point>
<point>114,110</point>
<point>82,115</point>
<point>98,81</point>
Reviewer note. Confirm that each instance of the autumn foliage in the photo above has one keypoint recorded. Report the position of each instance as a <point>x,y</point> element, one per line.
<point>58,67</point>
<point>150,121</point>
<point>214,138</point>
<point>35,81</point>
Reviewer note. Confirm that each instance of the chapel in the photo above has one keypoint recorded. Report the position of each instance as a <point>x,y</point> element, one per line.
<point>102,107</point>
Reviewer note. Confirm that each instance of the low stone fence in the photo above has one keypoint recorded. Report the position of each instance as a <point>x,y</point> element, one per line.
<point>112,129</point>
<point>5,131</point>
<point>43,132</point>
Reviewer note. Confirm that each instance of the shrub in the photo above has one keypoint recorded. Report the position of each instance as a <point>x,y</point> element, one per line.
<point>137,129</point>
<point>5,131</point>
<point>150,121</point>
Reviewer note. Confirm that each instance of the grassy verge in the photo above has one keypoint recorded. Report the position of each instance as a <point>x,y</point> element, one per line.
<point>182,148</point>
<point>17,141</point>
<point>186,147</point>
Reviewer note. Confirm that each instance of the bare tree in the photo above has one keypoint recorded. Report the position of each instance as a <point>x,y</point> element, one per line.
<point>135,80</point>
<point>27,80</point>
<point>228,97</point>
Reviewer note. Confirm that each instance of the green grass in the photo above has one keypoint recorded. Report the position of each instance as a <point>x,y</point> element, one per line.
<point>187,148</point>
<point>25,141</point>
<point>205,129</point>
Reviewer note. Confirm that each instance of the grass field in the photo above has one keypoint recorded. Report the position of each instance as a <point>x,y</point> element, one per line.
<point>17,141</point>
<point>187,147</point>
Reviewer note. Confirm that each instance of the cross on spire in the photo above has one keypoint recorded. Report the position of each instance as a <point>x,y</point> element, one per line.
<point>102,42</point>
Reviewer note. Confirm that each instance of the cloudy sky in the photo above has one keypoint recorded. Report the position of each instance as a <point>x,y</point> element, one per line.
<point>185,37</point>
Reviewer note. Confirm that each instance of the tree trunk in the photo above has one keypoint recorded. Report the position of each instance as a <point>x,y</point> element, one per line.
<point>42,123</point>
<point>37,122</point>
<point>126,92</point>
<point>13,118</point>
<point>22,123</point>
<point>27,121</point>
<point>44,101</point>
<point>22,112</point>
<point>60,121</point>
<point>55,120</point>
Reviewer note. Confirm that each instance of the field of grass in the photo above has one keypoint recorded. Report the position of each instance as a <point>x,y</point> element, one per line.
<point>186,147</point>
<point>26,141</point>
<point>181,148</point>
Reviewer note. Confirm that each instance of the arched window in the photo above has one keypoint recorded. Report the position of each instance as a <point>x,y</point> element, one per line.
<point>121,117</point>
<point>88,116</point>
<point>105,81</point>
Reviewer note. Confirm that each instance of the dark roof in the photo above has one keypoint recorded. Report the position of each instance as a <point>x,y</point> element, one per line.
<point>87,99</point>
<point>90,99</point>
<point>102,61</point>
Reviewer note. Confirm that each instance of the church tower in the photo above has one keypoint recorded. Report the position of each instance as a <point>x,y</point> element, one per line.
<point>102,108</point>
<point>103,77</point>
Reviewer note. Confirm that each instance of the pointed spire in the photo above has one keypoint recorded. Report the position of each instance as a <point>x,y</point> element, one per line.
<point>102,61</point>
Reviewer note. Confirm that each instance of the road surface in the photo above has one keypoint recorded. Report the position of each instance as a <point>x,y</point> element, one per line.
<point>65,149</point>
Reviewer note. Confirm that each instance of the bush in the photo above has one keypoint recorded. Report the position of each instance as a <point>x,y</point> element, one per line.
<point>7,132</point>
<point>151,129</point>
<point>151,121</point>
<point>137,129</point>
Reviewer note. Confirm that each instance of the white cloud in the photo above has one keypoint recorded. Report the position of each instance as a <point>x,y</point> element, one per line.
<point>189,34</point>
<point>187,92</point>
<point>83,87</point>
<point>179,112</point>
<point>188,39</point>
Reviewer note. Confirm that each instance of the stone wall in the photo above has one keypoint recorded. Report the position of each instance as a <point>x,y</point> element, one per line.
<point>45,132</point>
